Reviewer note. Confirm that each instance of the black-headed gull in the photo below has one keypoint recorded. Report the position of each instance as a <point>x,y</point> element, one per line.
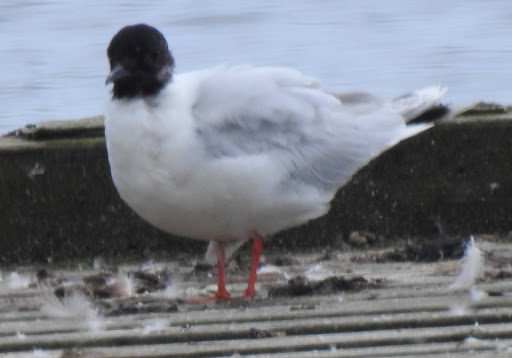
<point>229,153</point>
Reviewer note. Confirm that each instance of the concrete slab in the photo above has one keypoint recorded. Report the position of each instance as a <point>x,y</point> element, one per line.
<point>414,313</point>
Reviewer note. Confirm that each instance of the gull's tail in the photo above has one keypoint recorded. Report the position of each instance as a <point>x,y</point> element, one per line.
<point>424,106</point>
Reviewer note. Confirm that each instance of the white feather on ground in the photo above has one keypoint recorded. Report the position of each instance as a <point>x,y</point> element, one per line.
<point>268,268</point>
<point>16,281</point>
<point>39,353</point>
<point>318,272</point>
<point>174,289</point>
<point>122,285</point>
<point>75,307</point>
<point>98,263</point>
<point>472,267</point>
<point>154,325</point>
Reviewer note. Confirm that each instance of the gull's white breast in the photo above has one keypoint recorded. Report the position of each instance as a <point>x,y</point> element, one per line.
<point>162,172</point>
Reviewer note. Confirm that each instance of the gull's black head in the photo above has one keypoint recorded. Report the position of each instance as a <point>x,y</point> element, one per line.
<point>140,62</point>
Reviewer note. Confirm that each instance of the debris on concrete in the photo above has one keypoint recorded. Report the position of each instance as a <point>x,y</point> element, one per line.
<point>301,286</point>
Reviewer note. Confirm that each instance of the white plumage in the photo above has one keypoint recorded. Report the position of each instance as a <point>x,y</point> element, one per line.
<point>227,153</point>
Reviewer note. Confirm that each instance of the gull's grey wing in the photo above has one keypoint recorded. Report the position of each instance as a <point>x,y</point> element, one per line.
<point>358,102</point>
<point>285,116</point>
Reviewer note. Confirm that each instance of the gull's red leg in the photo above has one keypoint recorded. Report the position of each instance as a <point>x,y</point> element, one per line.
<point>257,246</point>
<point>222,293</point>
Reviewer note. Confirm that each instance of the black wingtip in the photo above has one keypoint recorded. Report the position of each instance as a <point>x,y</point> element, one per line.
<point>431,115</point>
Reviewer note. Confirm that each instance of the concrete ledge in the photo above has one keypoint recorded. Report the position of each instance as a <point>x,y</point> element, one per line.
<point>80,128</point>
<point>58,203</point>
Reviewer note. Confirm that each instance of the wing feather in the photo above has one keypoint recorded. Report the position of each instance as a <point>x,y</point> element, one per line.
<point>246,111</point>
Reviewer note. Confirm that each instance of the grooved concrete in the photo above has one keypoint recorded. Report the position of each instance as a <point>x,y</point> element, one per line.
<point>414,313</point>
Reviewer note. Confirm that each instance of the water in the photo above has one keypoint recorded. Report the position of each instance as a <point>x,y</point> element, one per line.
<point>53,63</point>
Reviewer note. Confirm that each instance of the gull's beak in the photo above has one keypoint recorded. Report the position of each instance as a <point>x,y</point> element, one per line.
<point>117,72</point>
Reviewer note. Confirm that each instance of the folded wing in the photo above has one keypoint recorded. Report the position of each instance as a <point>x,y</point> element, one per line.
<point>282,114</point>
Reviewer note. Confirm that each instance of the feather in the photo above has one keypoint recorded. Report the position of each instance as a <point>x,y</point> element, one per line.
<point>472,267</point>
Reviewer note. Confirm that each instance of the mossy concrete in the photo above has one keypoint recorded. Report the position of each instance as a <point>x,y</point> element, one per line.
<point>58,202</point>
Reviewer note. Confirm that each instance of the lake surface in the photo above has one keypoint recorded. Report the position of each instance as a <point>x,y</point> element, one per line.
<point>53,63</point>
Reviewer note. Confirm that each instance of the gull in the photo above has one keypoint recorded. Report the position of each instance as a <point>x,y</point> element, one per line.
<point>233,152</point>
